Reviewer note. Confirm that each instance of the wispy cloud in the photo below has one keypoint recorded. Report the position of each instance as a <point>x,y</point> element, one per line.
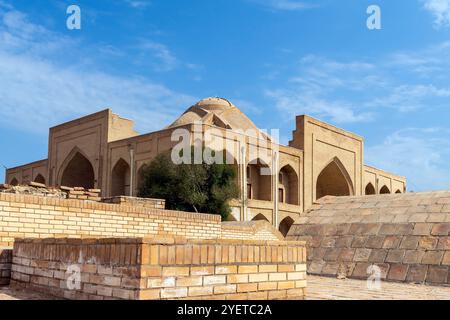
<point>285,5</point>
<point>166,60</point>
<point>421,154</point>
<point>440,9</point>
<point>36,91</point>
<point>138,4</point>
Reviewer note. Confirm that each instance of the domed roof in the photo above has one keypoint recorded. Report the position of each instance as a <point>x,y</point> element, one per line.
<point>214,104</point>
<point>218,112</point>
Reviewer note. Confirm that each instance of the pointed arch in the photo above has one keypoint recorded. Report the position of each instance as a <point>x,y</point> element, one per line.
<point>260,217</point>
<point>398,191</point>
<point>285,225</point>
<point>288,182</point>
<point>140,176</point>
<point>120,179</point>
<point>334,180</point>
<point>385,190</point>
<point>259,180</point>
<point>77,171</point>
<point>14,182</point>
<point>370,189</point>
<point>39,179</point>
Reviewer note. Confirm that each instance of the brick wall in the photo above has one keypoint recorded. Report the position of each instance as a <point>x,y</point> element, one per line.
<point>161,268</point>
<point>407,236</point>
<point>27,216</point>
<point>5,265</point>
<point>250,230</point>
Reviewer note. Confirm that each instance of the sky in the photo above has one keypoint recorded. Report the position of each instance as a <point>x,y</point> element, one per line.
<point>274,59</point>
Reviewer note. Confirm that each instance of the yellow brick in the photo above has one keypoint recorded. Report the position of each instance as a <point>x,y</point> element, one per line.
<point>247,287</point>
<point>237,278</point>
<point>286,268</point>
<point>267,286</point>
<point>258,277</point>
<point>300,284</point>
<point>175,271</point>
<point>200,291</point>
<point>300,267</point>
<point>286,285</point>
<point>248,269</point>
<point>277,276</point>
<point>268,268</point>
<point>189,281</point>
<point>225,289</point>
<point>226,269</point>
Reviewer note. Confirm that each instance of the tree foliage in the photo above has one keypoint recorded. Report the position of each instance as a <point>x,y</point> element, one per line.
<point>206,188</point>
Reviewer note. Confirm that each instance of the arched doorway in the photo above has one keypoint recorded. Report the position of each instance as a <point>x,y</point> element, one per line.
<point>370,189</point>
<point>259,181</point>
<point>14,182</point>
<point>78,173</point>
<point>39,179</point>
<point>385,190</point>
<point>334,181</point>
<point>260,217</point>
<point>285,225</point>
<point>120,179</point>
<point>288,184</point>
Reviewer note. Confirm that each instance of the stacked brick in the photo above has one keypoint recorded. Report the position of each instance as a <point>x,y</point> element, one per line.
<point>137,202</point>
<point>407,236</point>
<point>5,265</point>
<point>161,268</point>
<point>81,193</point>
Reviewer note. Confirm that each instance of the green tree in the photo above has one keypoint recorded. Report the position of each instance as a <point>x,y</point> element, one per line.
<point>203,187</point>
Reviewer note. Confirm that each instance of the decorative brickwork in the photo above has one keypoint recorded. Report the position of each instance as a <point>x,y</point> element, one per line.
<point>405,235</point>
<point>161,268</point>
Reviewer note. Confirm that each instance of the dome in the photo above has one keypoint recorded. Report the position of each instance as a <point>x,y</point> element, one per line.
<point>214,104</point>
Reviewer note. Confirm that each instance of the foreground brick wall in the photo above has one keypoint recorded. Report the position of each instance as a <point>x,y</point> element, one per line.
<point>162,268</point>
<point>406,236</point>
<point>5,265</point>
<point>23,216</point>
<point>250,230</point>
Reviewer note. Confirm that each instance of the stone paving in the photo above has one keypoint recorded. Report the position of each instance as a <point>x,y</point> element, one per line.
<point>322,288</point>
<point>319,288</point>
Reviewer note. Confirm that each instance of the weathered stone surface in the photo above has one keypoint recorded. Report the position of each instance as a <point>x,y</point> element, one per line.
<point>407,234</point>
<point>398,272</point>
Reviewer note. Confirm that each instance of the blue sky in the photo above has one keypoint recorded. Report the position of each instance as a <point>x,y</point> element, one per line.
<point>150,60</point>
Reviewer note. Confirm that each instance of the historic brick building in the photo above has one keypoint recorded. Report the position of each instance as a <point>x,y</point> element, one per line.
<point>102,150</point>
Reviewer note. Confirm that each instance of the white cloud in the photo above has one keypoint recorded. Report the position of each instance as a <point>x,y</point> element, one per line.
<point>166,59</point>
<point>420,154</point>
<point>36,91</point>
<point>285,5</point>
<point>440,10</point>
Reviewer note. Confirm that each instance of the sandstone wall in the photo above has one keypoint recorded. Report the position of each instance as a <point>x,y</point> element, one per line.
<point>161,268</point>
<point>406,235</point>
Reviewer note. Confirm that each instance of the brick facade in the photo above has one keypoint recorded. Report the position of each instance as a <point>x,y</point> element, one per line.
<point>162,268</point>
